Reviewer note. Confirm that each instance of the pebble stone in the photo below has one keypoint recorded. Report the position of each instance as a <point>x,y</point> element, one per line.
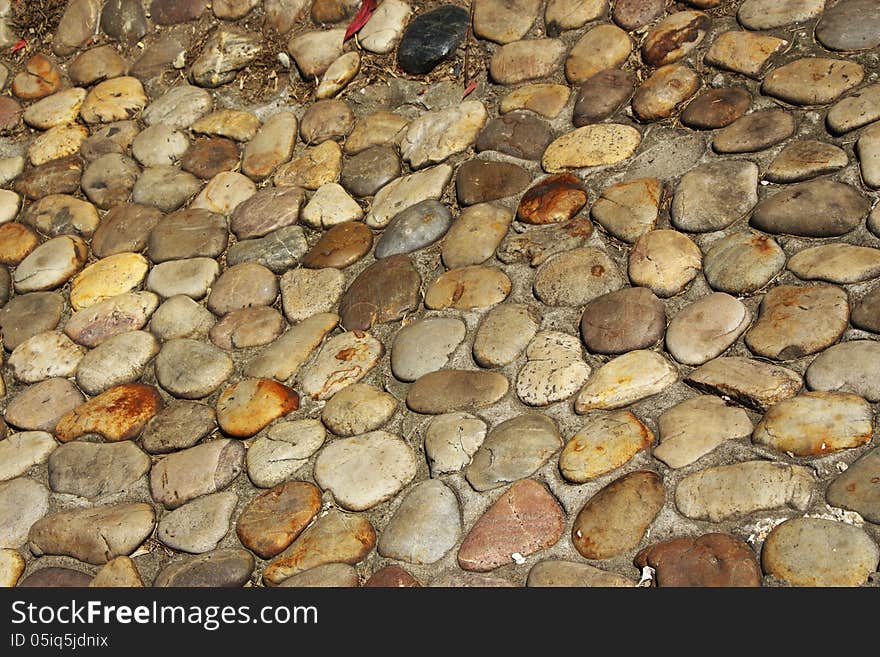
<point>835,263</point>
<point>40,406</point>
<point>617,517</point>
<point>625,379</point>
<point>121,359</point>
<point>119,572</point>
<point>755,131</point>
<point>742,262</point>
<point>594,145</point>
<point>225,568</point>
<point>525,520</point>
<point>26,315</point>
<point>450,390</point>
<point>272,520</point>
<point>188,474</point>
<point>804,159</point>
<point>425,346</point>
<point>554,369</point>
<point>344,359</point>
<point>576,277</point>
<point>606,441</point>
<point>744,52</point>
<point>418,226</point>
<point>665,261</point>
<point>693,428</point>
<point>392,577</point>
<point>856,488</point>
<point>555,199</point>
<point>11,567</point>
<point>189,369</point>
<point>812,80</point>
<point>118,413</point>
<point>571,574</point>
<point>706,328</point>
<point>198,526</point>
<point>798,321</point>
<point>665,92</point>
<point>697,205</point>
<point>513,450</point>
<point>451,440</point>
<point>101,321</point>
<point>357,409</point>
<point>752,383</point>
<point>504,334</point>
<point>625,320</point>
<point>466,288</point>
<point>711,560</point>
<point>25,502</point>
<point>846,367</point>
<point>179,425</point>
<point>180,317</point>
<point>110,468</point>
<point>818,552</point>
<point>431,38</point>
<point>674,37</point>
<point>529,59</point>
<point>45,355</point>
<point>629,209</point>
<point>21,451</point>
<point>385,27</point>
<point>246,407</point>
<point>716,108</point>
<point>425,526</point>
<point>51,264</point>
<point>282,358</point>
<point>517,133</point>
<point>854,111</point>
<point>285,448</point>
<point>475,235</point>
<point>850,25</point>
<point>768,14</point>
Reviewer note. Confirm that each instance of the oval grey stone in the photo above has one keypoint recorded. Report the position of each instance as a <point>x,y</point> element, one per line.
<point>200,525</point>
<point>416,227</point>
<point>425,346</point>
<point>425,526</point>
<point>191,369</point>
<point>93,470</point>
<point>228,567</point>
<point>185,475</point>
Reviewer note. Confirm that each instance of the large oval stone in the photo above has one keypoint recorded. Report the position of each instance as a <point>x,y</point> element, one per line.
<point>383,292</point>
<point>425,526</point>
<point>451,390</point>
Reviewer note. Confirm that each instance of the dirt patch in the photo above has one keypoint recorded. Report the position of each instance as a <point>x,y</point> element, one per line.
<point>36,20</point>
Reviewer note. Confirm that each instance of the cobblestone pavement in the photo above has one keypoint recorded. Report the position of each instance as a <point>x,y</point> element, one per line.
<point>513,293</point>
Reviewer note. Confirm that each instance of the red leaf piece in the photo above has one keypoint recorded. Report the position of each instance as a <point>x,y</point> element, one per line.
<point>21,43</point>
<point>470,88</point>
<point>360,19</point>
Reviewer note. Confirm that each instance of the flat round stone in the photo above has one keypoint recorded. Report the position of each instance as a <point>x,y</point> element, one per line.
<point>816,423</point>
<point>270,147</point>
<point>425,526</point>
<point>22,451</point>
<point>600,48</point>
<point>602,95</point>
<point>818,552</point>
<point>116,99</point>
<point>306,292</point>
<point>744,52</point>
<point>451,440</point>
<point>467,288</point>
<point>554,369</point>
<point>119,413</point>
<point>60,214</point>
<point>696,426</point>
<point>331,205</point>
<point>190,369</point>
<point>344,359</point>
<point>836,263</point>
<point>285,448</point>
<point>504,334</point>
<point>730,491</point>
<point>383,292</point>
<point>181,424</point>
<point>450,390</point>
<point>246,407</point>
<point>339,247</point>
<point>803,159</point>
<point>200,470</point>
<point>159,145</point>
<point>711,560</point>
<point>600,144</point>
<point>198,526</point>
<point>376,129</point>
<point>166,188</point>
<point>108,277</point>
<point>51,264</point>
<point>121,359</point>
<point>633,14</point>
<point>403,192</point>
<point>513,450</point>
<point>249,327</point>
<point>856,489</point>
<point>629,209</point>
<point>179,107</point>
<point>570,574</point>
<point>414,228</point>
<point>504,22</point>
<point>576,277</point>
<point>125,312</point>
<point>674,37</point>
<point>854,111</point>
<point>524,520</point>
<point>206,158</point>
<point>706,328</point>
<point>554,199</point>
<point>273,520</point>
<point>430,38</point>
<point>243,286</point>
<point>615,519</point>
<point>45,355</point>
<point>314,51</point>
<point>40,406</point>
<point>529,59</point>
<point>367,172</point>
<point>479,181</point>
<point>326,119</point>
<point>94,535</point>
<point>664,261</point>
<point>475,235</point>
<point>742,263</point>
<point>625,380</point>
<point>812,80</point>
<point>753,383</point>
<point>192,277</point>
<point>358,408</point>
<point>517,133</point>
<point>716,108</point>
<point>546,99</point>
<point>283,358</point>
<point>625,320</point>
<point>335,537</point>
<point>849,25</point>
<point>713,196</point>
<point>864,314</point>
<point>56,577</point>
<point>665,92</point>
<point>23,502</point>
<point>436,135</point>
<point>16,242</point>
<point>25,315</point>
<point>605,442</point>
<point>425,346</point>
<point>365,470</point>
<point>93,470</point>
<point>337,76</point>
<point>798,321</point>
<point>769,14</point>
<point>392,576</point>
<point>11,567</point>
<point>228,568</point>
<point>188,234</point>
<point>755,131</point>
<point>125,228</point>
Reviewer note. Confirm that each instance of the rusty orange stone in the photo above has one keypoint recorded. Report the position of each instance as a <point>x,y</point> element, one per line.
<point>248,406</point>
<point>526,519</point>
<point>39,78</point>
<point>273,520</point>
<point>554,199</point>
<point>710,560</point>
<point>119,413</point>
<point>393,577</point>
<point>16,242</point>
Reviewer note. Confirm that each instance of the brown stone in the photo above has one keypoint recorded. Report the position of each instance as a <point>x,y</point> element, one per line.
<point>602,95</point>
<point>60,176</point>
<point>554,199</point>
<point>208,157</point>
<point>273,520</point>
<point>335,537</point>
<point>248,327</point>
<point>518,134</point>
<point>755,132</point>
<point>119,413</point>
<point>479,181</point>
<point>125,228</point>
<point>54,577</point>
<point>664,92</point>
<point>339,247</point>
<point>40,78</point>
<point>616,518</point>
<point>448,390</point>
<point>10,114</point>
<point>383,292</point>
<point>716,108</point>
<point>171,12</point>
<point>674,37</point>
<point>710,560</point>
<point>633,14</point>
<point>622,321</point>
<point>244,408</point>
<point>16,242</point>
<point>393,577</point>
<point>525,519</point>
